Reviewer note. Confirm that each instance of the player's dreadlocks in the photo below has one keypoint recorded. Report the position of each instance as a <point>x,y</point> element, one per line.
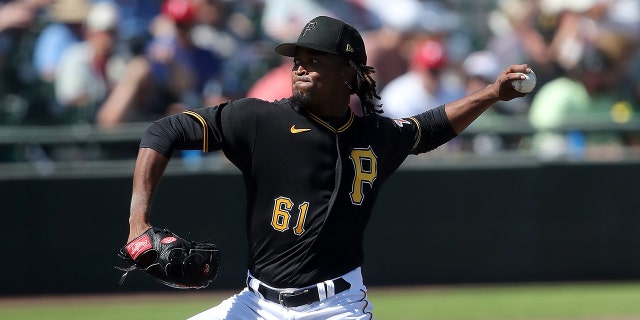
<point>365,89</point>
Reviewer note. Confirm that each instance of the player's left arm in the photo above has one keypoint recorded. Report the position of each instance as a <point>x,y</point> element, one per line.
<point>461,113</point>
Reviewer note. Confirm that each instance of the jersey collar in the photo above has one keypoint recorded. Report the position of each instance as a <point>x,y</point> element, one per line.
<point>328,125</point>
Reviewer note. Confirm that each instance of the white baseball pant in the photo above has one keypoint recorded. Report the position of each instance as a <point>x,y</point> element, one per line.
<point>250,304</point>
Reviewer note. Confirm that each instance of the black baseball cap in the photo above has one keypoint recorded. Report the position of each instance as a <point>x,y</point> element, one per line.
<point>329,35</point>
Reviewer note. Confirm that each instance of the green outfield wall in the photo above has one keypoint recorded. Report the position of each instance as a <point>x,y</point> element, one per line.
<point>436,225</point>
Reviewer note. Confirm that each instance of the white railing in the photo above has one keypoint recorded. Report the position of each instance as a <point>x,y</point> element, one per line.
<point>129,135</point>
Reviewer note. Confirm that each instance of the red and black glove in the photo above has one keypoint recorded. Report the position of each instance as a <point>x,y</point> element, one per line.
<point>171,260</point>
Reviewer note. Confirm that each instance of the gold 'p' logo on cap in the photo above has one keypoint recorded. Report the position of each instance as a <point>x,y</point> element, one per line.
<point>310,26</point>
<point>349,48</point>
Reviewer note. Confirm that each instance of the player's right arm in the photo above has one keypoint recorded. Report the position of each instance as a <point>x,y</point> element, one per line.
<point>199,129</point>
<point>159,141</point>
<point>150,165</point>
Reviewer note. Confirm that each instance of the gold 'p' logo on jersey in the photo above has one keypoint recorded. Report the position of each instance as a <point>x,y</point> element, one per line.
<point>365,165</point>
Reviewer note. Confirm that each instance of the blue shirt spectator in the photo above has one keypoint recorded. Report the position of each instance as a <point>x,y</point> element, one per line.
<point>52,42</point>
<point>64,28</point>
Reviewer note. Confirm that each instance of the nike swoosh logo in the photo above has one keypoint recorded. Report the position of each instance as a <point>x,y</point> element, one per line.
<point>295,130</point>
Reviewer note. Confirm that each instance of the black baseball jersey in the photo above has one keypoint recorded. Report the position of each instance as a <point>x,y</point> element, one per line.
<point>310,182</point>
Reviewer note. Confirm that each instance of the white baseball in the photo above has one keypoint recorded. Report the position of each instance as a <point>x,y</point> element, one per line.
<point>527,84</point>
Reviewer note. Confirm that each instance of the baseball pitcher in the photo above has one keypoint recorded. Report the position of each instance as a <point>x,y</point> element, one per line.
<point>312,171</point>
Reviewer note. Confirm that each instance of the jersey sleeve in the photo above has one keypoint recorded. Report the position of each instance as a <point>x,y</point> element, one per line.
<point>433,130</point>
<point>175,132</point>
<point>229,127</point>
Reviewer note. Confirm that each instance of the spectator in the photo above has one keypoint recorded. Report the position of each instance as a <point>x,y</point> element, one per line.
<point>176,61</point>
<point>89,69</point>
<point>404,23</point>
<point>387,45</point>
<point>65,29</point>
<point>171,77</point>
<point>522,30</point>
<point>516,33</point>
<point>18,82</point>
<point>222,29</point>
<point>591,94</point>
<point>421,87</point>
<point>212,30</point>
<point>133,29</point>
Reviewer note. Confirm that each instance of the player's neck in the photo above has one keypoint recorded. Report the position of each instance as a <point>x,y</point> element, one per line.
<point>334,121</point>
<point>336,106</point>
<point>330,113</point>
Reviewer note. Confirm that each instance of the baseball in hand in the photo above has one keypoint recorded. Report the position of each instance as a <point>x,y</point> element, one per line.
<point>527,84</point>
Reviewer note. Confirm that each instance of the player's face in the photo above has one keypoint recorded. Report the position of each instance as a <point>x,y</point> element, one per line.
<point>318,76</point>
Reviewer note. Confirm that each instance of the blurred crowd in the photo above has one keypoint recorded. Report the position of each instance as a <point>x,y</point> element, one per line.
<point>111,62</point>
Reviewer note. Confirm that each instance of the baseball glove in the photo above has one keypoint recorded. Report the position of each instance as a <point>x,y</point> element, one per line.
<point>171,260</point>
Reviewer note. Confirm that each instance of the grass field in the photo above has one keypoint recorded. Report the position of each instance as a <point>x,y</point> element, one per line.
<point>603,301</point>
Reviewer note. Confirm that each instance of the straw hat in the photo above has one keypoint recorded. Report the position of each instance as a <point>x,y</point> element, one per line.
<point>69,11</point>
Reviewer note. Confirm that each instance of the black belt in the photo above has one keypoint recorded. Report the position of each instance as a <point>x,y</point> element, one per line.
<point>297,297</point>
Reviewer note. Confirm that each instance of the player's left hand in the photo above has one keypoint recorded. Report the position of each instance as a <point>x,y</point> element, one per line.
<point>171,260</point>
